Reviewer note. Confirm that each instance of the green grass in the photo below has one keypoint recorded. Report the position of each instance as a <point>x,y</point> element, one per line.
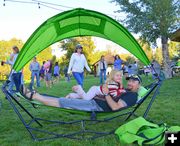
<point>12,132</point>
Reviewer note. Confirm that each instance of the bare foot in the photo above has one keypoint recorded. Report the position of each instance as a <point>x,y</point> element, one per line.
<point>75,88</point>
<point>67,96</point>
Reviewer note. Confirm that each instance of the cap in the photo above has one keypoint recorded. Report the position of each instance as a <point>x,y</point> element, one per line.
<point>134,77</point>
<point>78,46</point>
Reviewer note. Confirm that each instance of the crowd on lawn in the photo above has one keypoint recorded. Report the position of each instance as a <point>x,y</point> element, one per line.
<point>115,95</point>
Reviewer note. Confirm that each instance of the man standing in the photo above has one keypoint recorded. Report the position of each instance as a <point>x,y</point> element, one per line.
<point>34,68</point>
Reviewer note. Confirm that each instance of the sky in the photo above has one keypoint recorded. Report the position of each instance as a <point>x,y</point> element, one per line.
<point>20,20</point>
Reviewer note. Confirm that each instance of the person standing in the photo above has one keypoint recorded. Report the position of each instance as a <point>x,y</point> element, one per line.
<point>42,71</point>
<point>102,67</point>
<point>15,78</point>
<point>48,73</point>
<point>67,78</point>
<point>117,63</point>
<point>56,72</point>
<point>77,63</point>
<point>156,69</point>
<point>34,68</point>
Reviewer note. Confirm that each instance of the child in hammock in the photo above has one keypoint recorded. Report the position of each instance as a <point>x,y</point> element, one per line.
<point>113,83</point>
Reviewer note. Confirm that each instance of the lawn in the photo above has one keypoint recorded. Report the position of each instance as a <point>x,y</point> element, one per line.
<point>12,132</point>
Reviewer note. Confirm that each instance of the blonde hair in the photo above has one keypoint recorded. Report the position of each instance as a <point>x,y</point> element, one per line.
<point>112,74</point>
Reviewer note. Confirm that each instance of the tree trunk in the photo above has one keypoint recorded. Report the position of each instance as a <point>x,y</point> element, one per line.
<point>165,54</point>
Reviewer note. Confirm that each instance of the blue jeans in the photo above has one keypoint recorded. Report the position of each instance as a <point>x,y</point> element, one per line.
<point>15,79</point>
<point>79,77</point>
<point>33,74</point>
<point>102,74</point>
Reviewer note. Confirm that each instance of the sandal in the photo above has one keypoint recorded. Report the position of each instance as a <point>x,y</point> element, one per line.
<point>24,91</point>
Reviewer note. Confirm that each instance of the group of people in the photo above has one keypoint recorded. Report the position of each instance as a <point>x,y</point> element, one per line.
<point>119,64</point>
<point>107,97</point>
<point>110,95</point>
<point>43,72</point>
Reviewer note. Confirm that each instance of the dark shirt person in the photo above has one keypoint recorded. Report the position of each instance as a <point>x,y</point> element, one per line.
<point>109,104</point>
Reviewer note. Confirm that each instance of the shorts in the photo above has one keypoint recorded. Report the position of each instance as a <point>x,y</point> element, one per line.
<point>41,75</point>
<point>48,76</point>
<point>79,104</point>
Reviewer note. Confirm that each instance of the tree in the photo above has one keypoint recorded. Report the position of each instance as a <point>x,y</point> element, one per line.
<point>152,19</point>
<point>147,49</point>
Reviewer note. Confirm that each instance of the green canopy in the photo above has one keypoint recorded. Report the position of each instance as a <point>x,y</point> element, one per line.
<point>73,23</point>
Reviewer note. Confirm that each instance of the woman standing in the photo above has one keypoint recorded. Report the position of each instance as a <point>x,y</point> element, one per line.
<point>77,64</point>
<point>48,73</point>
<point>117,63</point>
<point>15,78</point>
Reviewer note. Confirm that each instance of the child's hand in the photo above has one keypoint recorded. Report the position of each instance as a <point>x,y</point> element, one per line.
<point>105,89</point>
<point>122,90</point>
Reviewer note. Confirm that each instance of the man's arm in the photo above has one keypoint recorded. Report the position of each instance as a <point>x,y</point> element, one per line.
<point>114,105</point>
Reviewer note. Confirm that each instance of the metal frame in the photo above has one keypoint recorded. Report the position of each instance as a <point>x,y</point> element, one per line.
<point>83,132</point>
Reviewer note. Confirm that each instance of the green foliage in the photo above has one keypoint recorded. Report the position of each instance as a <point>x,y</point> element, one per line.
<point>130,59</point>
<point>174,50</point>
<point>150,18</point>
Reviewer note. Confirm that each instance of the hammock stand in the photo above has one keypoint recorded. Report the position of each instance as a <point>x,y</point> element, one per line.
<point>83,133</point>
<point>68,24</point>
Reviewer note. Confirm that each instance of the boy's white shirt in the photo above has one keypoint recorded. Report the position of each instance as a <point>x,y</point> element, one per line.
<point>77,63</point>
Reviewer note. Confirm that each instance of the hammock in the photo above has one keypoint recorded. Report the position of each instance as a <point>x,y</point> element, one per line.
<point>72,23</point>
<point>95,117</point>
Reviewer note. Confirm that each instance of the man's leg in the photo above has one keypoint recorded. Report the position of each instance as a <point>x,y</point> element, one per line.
<point>47,100</point>
<point>32,79</point>
<point>37,79</point>
<point>78,104</point>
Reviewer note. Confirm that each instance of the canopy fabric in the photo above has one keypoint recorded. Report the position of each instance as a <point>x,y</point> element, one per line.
<point>73,23</point>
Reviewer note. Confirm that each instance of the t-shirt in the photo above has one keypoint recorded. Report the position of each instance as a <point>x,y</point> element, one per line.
<point>117,64</point>
<point>114,89</point>
<point>130,98</point>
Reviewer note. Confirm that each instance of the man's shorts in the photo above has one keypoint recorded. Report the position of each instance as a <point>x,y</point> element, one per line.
<point>79,104</point>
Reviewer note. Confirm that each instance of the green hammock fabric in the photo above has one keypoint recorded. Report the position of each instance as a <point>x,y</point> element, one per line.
<point>143,132</point>
<point>73,23</point>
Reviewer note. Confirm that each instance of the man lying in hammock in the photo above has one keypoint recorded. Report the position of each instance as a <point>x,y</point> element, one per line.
<point>96,104</point>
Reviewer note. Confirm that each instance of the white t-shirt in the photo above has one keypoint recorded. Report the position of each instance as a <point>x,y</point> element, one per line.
<point>77,63</point>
